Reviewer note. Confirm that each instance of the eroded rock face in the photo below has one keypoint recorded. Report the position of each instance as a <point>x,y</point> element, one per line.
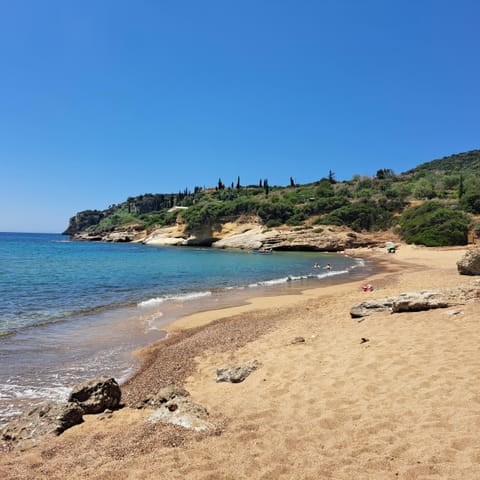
<point>469,264</point>
<point>96,395</point>
<point>49,418</point>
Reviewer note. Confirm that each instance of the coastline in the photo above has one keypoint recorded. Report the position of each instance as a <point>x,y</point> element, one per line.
<point>404,402</point>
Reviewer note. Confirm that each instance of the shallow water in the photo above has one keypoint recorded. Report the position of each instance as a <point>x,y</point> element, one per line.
<point>71,310</point>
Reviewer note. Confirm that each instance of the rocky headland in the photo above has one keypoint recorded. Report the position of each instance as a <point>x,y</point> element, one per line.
<point>243,233</point>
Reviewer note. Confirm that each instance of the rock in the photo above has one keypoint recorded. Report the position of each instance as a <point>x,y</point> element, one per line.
<point>173,405</point>
<point>371,306</point>
<point>163,396</point>
<point>417,301</point>
<point>235,373</point>
<point>469,264</point>
<point>49,418</point>
<point>97,395</point>
<point>297,340</point>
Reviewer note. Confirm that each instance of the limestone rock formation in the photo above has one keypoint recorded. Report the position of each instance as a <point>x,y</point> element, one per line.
<point>417,301</point>
<point>469,264</point>
<point>96,395</point>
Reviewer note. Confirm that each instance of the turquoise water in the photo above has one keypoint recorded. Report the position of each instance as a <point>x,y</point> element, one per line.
<point>72,310</point>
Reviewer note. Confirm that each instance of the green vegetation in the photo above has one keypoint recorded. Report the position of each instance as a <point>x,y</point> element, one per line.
<point>434,225</point>
<point>446,192</point>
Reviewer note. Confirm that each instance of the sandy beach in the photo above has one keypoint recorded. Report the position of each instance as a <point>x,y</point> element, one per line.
<point>402,403</point>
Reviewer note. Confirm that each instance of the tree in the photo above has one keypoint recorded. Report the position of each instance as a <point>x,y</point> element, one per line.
<point>423,189</point>
<point>461,188</point>
<point>384,173</point>
<point>238,182</point>
<point>331,177</point>
<point>265,185</point>
<point>292,182</point>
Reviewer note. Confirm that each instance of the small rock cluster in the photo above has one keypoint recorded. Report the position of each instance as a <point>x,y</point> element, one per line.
<point>171,404</point>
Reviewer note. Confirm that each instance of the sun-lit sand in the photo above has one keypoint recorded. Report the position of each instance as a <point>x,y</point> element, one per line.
<point>403,404</point>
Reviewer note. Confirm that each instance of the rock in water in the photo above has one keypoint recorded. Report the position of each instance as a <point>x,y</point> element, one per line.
<point>94,396</point>
<point>469,264</point>
<point>42,420</point>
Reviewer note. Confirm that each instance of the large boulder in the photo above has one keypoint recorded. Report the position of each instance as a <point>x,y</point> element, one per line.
<point>49,418</point>
<point>97,395</point>
<point>469,264</point>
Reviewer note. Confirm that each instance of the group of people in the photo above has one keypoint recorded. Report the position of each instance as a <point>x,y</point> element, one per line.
<point>326,267</point>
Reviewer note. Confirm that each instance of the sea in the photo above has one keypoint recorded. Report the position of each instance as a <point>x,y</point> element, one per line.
<point>70,311</point>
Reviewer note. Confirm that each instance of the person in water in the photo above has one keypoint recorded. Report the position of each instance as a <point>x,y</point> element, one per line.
<point>327,267</point>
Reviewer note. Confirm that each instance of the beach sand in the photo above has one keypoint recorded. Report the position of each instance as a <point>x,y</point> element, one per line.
<point>404,404</point>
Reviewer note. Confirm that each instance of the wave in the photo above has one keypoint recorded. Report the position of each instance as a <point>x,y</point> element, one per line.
<point>21,391</point>
<point>152,302</point>
<point>297,278</point>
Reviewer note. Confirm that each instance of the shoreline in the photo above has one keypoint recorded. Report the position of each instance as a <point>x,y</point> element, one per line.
<point>105,345</point>
<point>256,305</point>
<point>401,405</point>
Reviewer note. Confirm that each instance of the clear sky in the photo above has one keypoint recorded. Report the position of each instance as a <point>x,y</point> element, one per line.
<point>105,99</point>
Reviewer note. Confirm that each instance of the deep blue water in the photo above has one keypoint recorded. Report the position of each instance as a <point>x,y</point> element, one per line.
<point>72,310</point>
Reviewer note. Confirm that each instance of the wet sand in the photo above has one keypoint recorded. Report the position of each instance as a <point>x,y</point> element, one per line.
<point>405,404</point>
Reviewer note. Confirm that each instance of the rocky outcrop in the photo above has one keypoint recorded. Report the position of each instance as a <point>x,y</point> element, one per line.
<point>245,232</point>
<point>207,235</point>
<point>126,234</point>
<point>49,418</point>
<point>417,301</point>
<point>469,264</point>
<point>250,236</point>
<point>83,220</point>
<point>97,395</point>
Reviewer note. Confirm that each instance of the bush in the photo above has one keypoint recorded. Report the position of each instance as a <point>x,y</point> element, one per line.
<point>360,216</point>
<point>434,225</point>
<point>470,202</point>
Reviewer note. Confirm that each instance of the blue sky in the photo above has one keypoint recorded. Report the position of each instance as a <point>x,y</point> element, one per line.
<point>105,99</point>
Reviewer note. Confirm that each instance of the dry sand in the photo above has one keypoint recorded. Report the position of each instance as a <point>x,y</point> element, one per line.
<point>405,404</point>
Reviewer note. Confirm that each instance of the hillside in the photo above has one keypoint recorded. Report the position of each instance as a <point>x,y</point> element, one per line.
<point>434,204</point>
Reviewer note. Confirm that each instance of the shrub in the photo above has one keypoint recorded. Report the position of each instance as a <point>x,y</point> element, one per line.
<point>470,202</point>
<point>434,225</point>
<point>360,216</point>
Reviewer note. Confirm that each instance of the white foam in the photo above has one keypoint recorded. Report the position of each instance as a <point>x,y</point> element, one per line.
<point>153,302</point>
